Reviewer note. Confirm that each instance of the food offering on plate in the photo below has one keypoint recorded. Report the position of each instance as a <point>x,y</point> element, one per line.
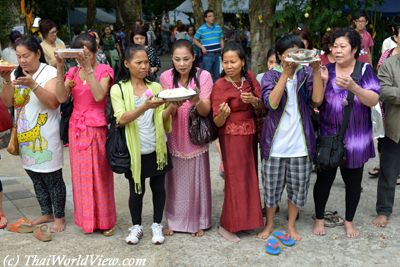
<point>6,66</point>
<point>176,94</point>
<point>303,56</point>
<point>69,52</point>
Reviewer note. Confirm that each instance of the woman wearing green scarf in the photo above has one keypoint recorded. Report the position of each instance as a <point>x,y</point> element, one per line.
<point>146,122</point>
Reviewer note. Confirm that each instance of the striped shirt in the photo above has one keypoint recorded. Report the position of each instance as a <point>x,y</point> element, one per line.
<point>210,37</point>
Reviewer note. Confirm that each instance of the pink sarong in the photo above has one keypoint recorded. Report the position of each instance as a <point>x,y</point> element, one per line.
<point>92,180</point>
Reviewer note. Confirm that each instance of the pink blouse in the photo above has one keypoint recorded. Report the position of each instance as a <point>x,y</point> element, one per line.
<point>86,111</point>
<point>179,143</point>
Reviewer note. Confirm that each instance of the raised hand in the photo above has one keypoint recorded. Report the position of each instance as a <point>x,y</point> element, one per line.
<point>345,82</point>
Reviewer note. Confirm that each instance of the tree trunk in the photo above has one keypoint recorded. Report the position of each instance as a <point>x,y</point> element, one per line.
<point>118,15</point>
<point>131,10</point>
<point>197,13</point>
<point>260,14</point>
<point>216,5</point>
<point>91,13</point>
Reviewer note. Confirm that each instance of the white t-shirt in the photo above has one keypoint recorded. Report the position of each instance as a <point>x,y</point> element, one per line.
<point>147,130</point>
<point>289,140</point>
<point>388,43</point>
<point>260,76</point>
<point>38,127</point>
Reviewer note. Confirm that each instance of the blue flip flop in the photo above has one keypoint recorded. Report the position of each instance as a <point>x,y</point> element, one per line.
<point>284,238</point>
<point>272,247</point>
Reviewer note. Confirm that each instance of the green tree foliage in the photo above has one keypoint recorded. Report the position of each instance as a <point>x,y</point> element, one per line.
<point>9,10</point>
<point>318,15</point>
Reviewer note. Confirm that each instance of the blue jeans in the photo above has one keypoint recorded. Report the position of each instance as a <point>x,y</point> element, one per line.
<point>210,62</point>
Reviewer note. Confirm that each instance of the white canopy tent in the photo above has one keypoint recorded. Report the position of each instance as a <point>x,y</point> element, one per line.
<point>175,15</point>
<point>228,6</point>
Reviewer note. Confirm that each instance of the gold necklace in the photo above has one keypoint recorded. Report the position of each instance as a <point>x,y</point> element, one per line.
<point>239,88</point>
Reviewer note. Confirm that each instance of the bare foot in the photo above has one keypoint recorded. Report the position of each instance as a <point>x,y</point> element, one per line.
<point>319,227</point>
<point>266,232</point>
<point>380,221</point>
<point>292,231</point>
<point>58,225</point>
<point>199,233</point>
<point>168,232</point>
<point>43,219</point>
<point>3,221</point>
<point>351,230</point>
<point>228,235</point>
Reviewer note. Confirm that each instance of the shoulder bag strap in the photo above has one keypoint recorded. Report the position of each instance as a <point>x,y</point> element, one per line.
<point>122,93</point>
<point>198,78</point>
<point>350,98</point>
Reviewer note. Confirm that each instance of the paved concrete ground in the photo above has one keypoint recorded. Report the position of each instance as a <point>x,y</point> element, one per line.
<point>379,247</point>
<point>373,247</point>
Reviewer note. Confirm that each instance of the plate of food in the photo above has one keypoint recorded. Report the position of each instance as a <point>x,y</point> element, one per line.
<point>69,52</point>
<point>303,56</point>
<point>176,94</point>
<point>6,66</point>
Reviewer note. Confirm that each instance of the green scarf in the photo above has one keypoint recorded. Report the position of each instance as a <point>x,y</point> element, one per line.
<point>132,132</point>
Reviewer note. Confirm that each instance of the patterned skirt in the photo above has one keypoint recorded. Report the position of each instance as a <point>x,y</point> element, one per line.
<point>188,194</point>
<point>92,180</point>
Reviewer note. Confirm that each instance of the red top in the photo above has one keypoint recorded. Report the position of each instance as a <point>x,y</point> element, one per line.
<point>241,121</point>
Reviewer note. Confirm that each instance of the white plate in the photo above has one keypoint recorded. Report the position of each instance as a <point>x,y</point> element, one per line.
<point>289,59</point>
<point>184,95</point>
<point>69,52</point>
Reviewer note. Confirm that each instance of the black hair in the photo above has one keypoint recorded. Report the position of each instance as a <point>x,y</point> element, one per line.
<point>45,26</point>
<point>352,35</point>
<point>238,49</point>
<point>396,25</point>
<point>139,31</point>
<point>92,31</point>
<point>285,42</point>
<point>77,30</point>
<point>85,39</point>
<point>208,11</point>
<point>360,13</point>
<point>33,45</point>
<point>304,34</point>
<point>326,42</point>
<point>193,71</point>
<point>14,36</point>
<point>271,52</point>
<point>130,51</point>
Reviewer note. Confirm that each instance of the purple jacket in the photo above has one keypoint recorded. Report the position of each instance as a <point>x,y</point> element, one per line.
<point>273,118</point>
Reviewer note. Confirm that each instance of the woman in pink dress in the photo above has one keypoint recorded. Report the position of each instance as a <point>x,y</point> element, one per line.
<point>92,178</point>
<point>188,189</point>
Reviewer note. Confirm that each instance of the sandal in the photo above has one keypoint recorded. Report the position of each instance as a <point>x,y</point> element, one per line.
<point>331,219</point>
<point>109,232</point>
<point>1,217</point>
<point>42,232</point>
<point>23,225</point>
<point>272,247</point>
<point>374,173</point>
<point>284,238</point>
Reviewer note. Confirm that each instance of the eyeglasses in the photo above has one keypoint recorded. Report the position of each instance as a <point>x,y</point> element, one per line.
<point>53,32</point>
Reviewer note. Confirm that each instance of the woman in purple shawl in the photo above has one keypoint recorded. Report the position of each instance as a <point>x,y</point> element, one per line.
<point>358,136</point>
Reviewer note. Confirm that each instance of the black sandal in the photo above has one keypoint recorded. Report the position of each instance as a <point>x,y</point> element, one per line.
<point>374,173</point>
